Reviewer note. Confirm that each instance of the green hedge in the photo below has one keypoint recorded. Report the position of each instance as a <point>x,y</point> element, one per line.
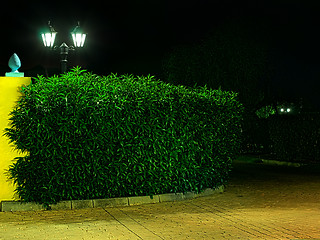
<point>296,137</point>
<point>90,136</point>
<point>256,139</point>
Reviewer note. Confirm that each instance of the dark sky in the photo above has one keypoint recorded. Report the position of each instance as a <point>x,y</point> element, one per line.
<point>133,35</point>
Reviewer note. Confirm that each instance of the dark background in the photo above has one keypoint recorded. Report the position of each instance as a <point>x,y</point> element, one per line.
<point>135,36</point>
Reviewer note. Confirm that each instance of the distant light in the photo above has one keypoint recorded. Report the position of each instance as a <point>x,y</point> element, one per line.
<point>282,110</point>
<point>288,110</point>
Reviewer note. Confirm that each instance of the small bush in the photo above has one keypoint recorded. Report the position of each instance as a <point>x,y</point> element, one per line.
<point>296,137</point>
<point>90,137</point>
<point>265,112</point>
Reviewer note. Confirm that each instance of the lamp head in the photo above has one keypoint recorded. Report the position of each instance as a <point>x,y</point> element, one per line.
<point>78,36</point>
<point>49,36</point>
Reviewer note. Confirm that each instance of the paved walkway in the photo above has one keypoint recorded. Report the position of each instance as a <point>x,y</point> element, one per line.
<point>260,202</point>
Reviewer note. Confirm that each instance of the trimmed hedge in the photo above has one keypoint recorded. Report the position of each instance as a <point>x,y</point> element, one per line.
<point>90,136</point>
<point>296,137</point>
<point>256,139</point>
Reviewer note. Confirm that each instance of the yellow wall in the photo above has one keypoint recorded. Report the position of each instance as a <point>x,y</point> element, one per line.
<point>9,95</point>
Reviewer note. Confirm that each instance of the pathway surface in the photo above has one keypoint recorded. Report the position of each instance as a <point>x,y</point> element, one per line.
<point>260,202</point>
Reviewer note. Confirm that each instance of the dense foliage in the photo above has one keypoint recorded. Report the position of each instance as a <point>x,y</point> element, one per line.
<point>89,136</point>
<point>296,137</point>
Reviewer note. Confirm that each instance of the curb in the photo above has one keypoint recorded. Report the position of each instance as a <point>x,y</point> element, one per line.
<point>280,163</point>
<point>271,162</point>
<point>14,206</point>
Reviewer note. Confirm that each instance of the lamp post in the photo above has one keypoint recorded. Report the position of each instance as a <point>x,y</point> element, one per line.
<point>78,38</point>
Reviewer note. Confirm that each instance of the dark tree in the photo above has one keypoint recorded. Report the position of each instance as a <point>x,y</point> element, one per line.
<point>233,57</point>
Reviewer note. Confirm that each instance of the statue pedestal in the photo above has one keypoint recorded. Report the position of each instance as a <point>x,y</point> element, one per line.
<point>9,95</point>
<point>14,74</point>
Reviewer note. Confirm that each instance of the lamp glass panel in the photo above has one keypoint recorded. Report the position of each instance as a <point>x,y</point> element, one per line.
<point>78,39</point>
<point>48,39</point>
<point>83,39</point>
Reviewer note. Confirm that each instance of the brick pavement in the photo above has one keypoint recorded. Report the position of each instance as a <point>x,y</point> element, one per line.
<point>260,202</point>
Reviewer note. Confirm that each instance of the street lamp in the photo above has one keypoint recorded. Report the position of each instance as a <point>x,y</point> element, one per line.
<point>78,37</point>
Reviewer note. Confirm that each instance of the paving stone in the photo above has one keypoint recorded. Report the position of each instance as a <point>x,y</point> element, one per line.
<point>143,200</point>
<point>171,197</point>
<point>13,206</point>
<point>110,202</point>
<point>251,208</point>
<point>63,205</point>
<point>79,204</point>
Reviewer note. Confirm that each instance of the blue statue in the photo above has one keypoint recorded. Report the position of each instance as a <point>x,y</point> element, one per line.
<point>14,63</point>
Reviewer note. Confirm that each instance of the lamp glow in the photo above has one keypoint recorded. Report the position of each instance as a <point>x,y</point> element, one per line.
<point>48,39</point>
<point>78,39</point>
<point>78,36</point>
<point>49,36</point>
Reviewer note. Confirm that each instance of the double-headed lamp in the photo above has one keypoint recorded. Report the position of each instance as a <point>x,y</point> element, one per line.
<point>49,36</point>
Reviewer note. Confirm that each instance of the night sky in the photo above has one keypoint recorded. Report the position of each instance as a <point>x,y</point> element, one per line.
<point>133,36</point>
